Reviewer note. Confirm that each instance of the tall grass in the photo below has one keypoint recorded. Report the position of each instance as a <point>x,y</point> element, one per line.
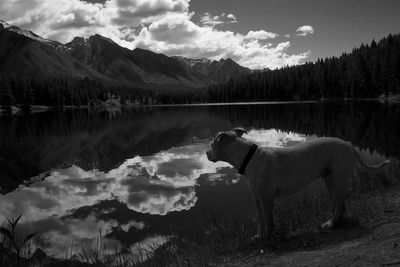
<point>13,246</point>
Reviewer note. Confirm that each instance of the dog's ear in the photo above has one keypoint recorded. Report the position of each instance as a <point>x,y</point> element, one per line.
<point>217,137</point>
<point>239,131</point>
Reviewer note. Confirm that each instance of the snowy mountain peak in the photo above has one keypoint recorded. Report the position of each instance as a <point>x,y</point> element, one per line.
<point>26,33</point>
<point>192,62</point>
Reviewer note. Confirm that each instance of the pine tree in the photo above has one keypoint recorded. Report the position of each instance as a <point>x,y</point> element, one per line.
<point>6,98</point>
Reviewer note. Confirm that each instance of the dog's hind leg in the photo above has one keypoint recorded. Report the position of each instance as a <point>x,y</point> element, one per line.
<point>328,183</point>
<point>337,186</point>
<point>268,208</point>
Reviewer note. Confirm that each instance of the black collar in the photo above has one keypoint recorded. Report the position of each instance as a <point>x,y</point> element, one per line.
<point>246,160</point>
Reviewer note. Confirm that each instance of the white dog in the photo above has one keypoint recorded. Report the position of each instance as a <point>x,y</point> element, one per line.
<point>279,172</point>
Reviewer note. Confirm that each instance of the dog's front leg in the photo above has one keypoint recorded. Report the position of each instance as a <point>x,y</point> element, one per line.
<point>268,207</point>
<point>260,219</point>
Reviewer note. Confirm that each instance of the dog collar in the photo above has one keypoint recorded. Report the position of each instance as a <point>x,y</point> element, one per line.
<point>246,160</point>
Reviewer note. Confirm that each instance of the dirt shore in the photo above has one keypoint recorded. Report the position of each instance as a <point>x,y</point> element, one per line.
<point>375,242</point>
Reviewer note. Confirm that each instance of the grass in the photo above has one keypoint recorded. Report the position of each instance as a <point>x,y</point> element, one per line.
<point>295,217</point>
<point>12,247</point>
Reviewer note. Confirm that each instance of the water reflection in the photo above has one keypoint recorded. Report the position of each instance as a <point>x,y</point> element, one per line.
<point>66,206</point>
<point>34,144</point>
<point>275,138</point>
<point>133,176</point>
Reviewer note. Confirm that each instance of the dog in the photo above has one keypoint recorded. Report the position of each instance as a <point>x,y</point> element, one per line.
<point>280,172</point>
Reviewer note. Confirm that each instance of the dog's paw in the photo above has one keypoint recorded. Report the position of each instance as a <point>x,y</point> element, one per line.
<point>327,225</point>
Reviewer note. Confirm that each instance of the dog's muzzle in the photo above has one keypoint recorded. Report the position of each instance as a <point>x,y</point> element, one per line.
<point>210,155</point>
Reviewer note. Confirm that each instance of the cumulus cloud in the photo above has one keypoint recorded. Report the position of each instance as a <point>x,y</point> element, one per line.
<point>231,16</point>
<point>146,10</point>
<point>210,20</point>
<point>197,41</point>
<point>261,35</point>
<point>155,196</point>
<point>276,138</point>
<point>164,26</point>
<point>304,30</point>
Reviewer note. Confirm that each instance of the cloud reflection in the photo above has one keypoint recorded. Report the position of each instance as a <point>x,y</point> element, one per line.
<point>157,185</point>
<point>275,138</point>
<point>156,196</point>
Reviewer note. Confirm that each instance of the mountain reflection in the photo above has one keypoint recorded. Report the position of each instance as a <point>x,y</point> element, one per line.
<point>34,144</point>
<point>66,205</point>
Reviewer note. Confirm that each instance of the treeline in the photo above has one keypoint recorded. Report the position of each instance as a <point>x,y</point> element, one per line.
<point>368,71</point>
<point>24,92</point>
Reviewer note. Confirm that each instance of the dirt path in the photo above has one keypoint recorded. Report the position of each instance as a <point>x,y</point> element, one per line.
<point>373,243</point>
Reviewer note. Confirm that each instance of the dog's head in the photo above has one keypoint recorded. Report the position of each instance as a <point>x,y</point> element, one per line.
<point>220,142</point>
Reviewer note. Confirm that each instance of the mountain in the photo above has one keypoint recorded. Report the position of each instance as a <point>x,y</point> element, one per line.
<point>136,66</point>
<point>213,71</point>
<point>29,34</point>
<point>26,53</point>
<point>99,58</point>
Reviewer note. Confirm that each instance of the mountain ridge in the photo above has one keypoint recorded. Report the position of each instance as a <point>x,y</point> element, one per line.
<point>100,58</point>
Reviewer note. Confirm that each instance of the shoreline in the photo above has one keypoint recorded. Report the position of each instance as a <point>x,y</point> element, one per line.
<point>41,108</point>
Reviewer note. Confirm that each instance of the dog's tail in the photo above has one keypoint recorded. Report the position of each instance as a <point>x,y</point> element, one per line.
<point>371,167</point>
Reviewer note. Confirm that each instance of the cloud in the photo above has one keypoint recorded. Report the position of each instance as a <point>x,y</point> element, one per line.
<point>185,38</point>
<point>163,26</point>
<point>172,29</point>
<point>210,20</point>
<point>261,35</point>
<point>65,19</point>
<point>304,30</point>
<point>231,16</point>
<point>146,11</point>
<point>95,1</point>
<point>275,138</point>
<point>155,196</point>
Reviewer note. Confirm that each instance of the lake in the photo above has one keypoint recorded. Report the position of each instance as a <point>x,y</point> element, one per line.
<point>133,175</point>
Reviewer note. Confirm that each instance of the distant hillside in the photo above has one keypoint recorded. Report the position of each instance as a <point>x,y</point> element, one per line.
<point>98,58</point>
<point>366,72</point>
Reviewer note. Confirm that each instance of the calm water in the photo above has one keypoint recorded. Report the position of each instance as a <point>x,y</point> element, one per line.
<point>132,175</point>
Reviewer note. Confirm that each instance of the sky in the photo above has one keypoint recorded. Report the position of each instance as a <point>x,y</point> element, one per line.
<point>255,33</point>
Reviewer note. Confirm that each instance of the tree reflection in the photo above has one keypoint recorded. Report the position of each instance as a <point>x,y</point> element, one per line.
<point>30,145</point>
